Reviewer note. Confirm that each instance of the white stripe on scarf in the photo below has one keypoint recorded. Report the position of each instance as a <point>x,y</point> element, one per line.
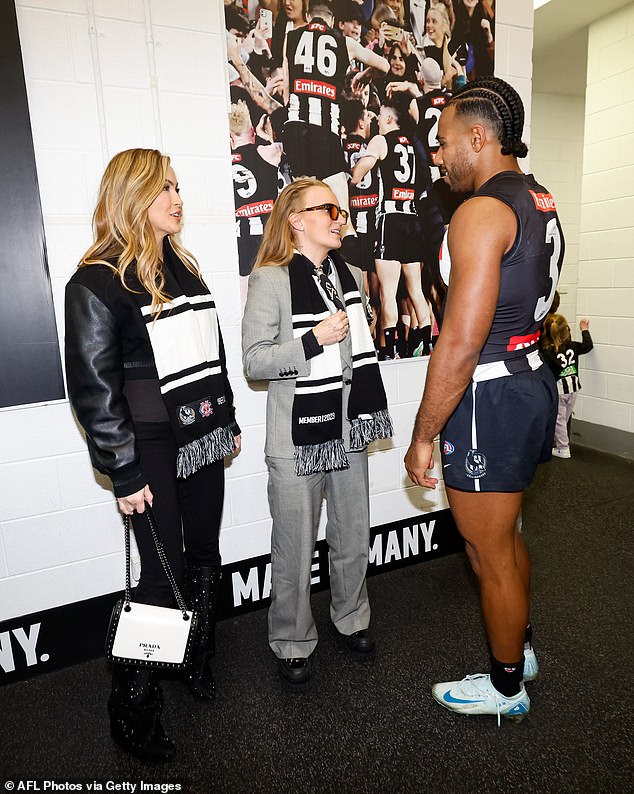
<point>185,340</point>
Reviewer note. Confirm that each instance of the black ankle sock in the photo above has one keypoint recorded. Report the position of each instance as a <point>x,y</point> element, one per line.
<point>401,341</point>
<point>507,677</point>
<point>390,342</point>
<point>528,637</point>
<point>413,340</point>
<point>427,338</point>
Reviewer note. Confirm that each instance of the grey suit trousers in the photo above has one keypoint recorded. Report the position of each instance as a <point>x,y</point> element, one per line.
<point>272,353</point>
<point>295,504</point>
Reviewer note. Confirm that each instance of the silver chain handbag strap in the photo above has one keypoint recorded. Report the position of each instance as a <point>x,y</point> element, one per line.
<point>162,557</point>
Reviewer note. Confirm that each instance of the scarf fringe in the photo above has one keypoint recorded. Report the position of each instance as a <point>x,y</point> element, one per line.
<point>364,431</point>
<point>329,456</point>
<point>203,451</point>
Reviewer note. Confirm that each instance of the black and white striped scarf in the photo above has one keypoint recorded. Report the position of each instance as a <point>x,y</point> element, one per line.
<point>187,346</point>
<point>317,423</point>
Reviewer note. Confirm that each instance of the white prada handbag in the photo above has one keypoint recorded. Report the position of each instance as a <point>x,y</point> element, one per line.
<point>150,636</point>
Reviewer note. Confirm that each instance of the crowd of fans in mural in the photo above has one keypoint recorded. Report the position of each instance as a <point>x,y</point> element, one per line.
<point>351,92</point>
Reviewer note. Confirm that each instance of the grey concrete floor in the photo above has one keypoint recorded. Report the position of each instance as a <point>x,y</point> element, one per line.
<point>375,727</point>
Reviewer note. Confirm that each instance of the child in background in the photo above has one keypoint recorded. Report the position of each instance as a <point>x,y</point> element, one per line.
<point>562,356</point>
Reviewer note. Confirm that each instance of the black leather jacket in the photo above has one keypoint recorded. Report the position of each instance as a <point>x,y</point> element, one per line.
<point>107,344</point>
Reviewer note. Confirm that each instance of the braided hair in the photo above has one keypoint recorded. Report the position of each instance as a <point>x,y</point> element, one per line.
<point>498,103</point>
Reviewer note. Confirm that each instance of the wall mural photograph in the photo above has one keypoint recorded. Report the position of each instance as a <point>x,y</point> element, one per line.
<point>350,93</point>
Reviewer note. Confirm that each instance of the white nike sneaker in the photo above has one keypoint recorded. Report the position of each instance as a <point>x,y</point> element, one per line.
<point>531,665</point>
<point>475,694</point>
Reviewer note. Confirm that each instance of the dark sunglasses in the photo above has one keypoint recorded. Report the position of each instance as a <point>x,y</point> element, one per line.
<point>332,209</point>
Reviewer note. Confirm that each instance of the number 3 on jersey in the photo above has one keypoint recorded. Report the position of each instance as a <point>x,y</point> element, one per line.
<point>552,234</point>
<point>326,55</point>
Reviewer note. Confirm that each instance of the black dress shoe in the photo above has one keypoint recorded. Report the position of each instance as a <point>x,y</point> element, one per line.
<point>360,644</point>
<point>295,673</point>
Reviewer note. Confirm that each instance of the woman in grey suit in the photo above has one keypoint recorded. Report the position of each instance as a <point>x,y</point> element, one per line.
<point>305,331</point>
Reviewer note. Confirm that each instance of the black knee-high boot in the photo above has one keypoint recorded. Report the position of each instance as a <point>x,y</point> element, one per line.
<point>135,707</point>
<point>202,589</point>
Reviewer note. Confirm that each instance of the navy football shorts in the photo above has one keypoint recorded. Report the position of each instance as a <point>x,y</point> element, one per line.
<point>500,431</point>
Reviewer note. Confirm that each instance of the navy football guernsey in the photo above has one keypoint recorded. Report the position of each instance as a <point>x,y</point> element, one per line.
<point>530,270</point>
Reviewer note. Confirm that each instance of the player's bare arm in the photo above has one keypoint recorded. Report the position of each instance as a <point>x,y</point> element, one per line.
<point>403,86</point>
<point>377,64</point>
<point>481,232</point>
<point>286,90</point>
<point>376,150</point>
<point>413,110</point>
<point>253,86</point>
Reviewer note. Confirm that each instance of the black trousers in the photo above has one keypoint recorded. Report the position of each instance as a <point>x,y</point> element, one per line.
<point>187,513</point>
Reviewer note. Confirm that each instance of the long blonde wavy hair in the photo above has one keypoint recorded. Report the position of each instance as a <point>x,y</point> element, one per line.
<point>121,226</point>
<point>278,244</point>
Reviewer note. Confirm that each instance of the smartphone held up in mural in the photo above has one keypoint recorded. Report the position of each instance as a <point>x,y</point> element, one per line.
<point>266,23</point>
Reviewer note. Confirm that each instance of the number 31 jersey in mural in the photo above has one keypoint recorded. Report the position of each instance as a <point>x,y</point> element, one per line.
<point>530,270</point>
<point>398,175</point>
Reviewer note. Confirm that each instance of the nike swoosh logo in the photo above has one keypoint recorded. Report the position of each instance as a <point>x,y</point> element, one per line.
<point>446,465</point>
<point>451,699</point>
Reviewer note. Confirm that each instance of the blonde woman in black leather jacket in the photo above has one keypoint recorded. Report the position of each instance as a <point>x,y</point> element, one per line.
<point>147,379</point>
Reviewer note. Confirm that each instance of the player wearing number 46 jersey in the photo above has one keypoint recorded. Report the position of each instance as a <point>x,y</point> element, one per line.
<point>488,392</point>
<point>316,61</point>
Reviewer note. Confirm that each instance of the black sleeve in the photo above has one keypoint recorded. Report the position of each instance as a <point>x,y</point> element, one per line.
<point>94,373</point>
<point>312,347</point>
<point>586,343</point>
<point>235,428</point>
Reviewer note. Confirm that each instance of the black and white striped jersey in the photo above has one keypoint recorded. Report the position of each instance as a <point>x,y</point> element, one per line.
<point>397,175</point>
<point>565,363</point>
<point>430,107</point>
<point>255,188</point>
<point>317,64</point>
<point>364,197</point>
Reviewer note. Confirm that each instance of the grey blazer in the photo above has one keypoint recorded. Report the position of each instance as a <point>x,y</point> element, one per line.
<point>269,352</point>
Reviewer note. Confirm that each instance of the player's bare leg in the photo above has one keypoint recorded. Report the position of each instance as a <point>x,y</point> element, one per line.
<point>487,523</point>
<point>420,330</point>
<point>389,272</point>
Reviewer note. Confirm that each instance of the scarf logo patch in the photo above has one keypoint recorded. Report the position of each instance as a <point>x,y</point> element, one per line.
<point>193,412</point>
<point>186,415</point>
<point>205,408</point>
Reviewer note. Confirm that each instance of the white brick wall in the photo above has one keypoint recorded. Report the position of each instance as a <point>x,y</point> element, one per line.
<point>556,153</point>
<point>606,257</point>
<point>92,94</point>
